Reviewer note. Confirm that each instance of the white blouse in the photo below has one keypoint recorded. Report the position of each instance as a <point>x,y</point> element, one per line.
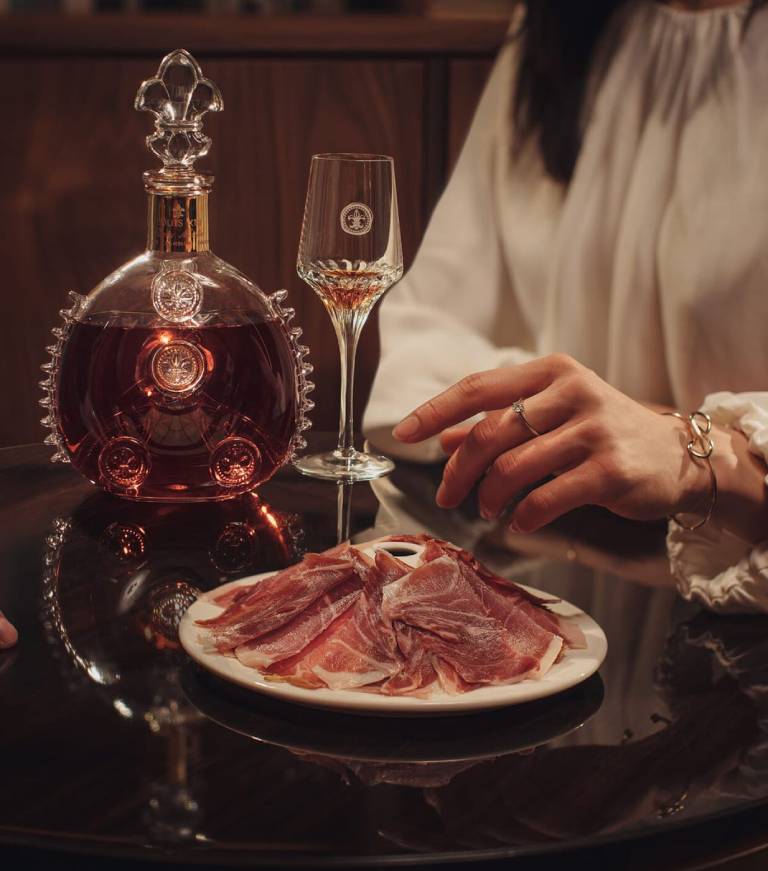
<point>650,266</point>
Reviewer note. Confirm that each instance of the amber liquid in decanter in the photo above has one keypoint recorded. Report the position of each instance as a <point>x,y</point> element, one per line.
<point>176,412</point>
<point>176,378</point>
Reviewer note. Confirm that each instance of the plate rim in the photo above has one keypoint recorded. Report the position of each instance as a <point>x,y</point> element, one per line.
<point>369,703</point>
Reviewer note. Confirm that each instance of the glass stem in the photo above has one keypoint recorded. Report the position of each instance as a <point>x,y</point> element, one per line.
<point>343,511</point>
<point>348,325</point>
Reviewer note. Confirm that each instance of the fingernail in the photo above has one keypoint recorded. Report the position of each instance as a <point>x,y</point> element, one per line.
<point>406,428</point>
<point>440,496</point>
<point>486,513</point>
<point>512,526</point>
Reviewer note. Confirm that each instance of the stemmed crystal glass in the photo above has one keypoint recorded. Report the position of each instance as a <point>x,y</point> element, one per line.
<point>350,254</point>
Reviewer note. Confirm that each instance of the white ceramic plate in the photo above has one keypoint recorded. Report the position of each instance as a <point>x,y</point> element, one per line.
<point>576,665</point>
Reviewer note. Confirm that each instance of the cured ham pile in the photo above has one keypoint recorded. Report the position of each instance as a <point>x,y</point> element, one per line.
<point>346,620</point>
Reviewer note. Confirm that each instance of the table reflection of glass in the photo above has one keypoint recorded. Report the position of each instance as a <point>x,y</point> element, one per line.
<point>671,732</point>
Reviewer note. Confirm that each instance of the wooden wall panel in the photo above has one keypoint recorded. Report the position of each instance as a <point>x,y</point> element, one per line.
<point>141,34</point>
<point>72,203</point>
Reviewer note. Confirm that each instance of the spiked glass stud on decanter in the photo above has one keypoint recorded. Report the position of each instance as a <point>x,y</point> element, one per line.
<point>176,378</point>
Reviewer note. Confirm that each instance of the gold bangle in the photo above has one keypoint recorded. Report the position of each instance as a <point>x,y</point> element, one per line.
<point>699,448</point>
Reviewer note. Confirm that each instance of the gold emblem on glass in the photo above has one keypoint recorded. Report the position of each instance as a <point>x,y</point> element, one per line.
<point>176,295</point>
<point>356,219</point>
<point>177,367</point>
<point>123,462</point>
<point>235,462</point>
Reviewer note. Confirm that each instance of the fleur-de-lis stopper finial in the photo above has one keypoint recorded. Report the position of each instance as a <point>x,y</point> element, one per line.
<point>178,96</point>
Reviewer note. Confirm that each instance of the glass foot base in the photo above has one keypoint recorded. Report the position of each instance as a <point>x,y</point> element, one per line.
<point>335,467</point>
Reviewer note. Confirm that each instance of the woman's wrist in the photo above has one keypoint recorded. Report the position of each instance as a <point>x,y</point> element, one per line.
<point>742,501</point>
<point>742,496</point>
<point>698,478</point>
<point>696,490</point>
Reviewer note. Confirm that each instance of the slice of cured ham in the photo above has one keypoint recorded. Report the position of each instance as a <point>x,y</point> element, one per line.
<point>529,636</point>
<point>534,606</point>
<point>450,622</point>
<point>359,648</point>
<point>291,638</point>
<point>243,596</point>
<point>276,600</point>
<point>417,673</point>
<point>534,630</point>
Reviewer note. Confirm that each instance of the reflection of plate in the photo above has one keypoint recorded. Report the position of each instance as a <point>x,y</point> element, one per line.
<point>576,666</point>
<point>326,733</point>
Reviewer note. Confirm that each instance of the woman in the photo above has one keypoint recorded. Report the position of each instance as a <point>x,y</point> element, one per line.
<point>601,255</point>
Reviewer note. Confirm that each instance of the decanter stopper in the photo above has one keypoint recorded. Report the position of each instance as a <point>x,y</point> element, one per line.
<point>178,96</point>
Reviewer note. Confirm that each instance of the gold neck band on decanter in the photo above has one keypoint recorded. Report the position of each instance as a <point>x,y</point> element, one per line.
<point>178,210</point>
<point>177,223</point>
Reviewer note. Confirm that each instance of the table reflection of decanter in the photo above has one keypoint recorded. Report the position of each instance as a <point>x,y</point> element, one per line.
<point>176,378</point>
<point>118,576</point>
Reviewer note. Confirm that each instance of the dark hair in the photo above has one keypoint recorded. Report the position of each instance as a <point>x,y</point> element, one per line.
<point>558,40</point>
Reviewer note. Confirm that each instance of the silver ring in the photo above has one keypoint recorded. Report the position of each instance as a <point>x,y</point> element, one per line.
<point>519,408</point>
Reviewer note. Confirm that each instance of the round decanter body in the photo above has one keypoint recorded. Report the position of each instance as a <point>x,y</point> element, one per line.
<point>177,379</point>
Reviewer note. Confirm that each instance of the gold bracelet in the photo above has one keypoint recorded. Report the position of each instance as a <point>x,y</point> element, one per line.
<point>700,447</point>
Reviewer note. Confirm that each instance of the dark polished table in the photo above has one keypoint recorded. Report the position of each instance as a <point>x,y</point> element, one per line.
<point>112,744</point>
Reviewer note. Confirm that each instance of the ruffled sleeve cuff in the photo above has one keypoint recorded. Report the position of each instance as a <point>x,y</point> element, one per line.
<point>711,566</point>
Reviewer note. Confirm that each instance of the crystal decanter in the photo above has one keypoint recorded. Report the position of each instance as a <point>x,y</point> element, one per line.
<point>177,378</point>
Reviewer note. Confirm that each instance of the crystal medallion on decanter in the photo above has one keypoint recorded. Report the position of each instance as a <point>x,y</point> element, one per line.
<point>177,378</point>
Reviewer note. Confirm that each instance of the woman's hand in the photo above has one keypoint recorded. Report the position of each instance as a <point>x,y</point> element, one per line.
<point>597,446</point>
<point>8,634</point>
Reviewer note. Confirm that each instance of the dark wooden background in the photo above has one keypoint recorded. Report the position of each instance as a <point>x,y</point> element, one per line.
<point>72,203</point>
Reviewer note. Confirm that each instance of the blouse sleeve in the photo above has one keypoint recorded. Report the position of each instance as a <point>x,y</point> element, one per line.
<point>437,324</point>
<point>712,567</point>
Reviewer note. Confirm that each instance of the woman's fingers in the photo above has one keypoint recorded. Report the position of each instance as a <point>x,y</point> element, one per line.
<point>8,634</point>
<point>451,438</point>
<point>483,391</point>
<point>530,462</point>
<point>551,500</point>
<point>491,437</point>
